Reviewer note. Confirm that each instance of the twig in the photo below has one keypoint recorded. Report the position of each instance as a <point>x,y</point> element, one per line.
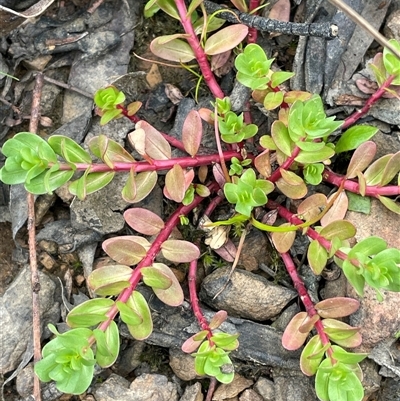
<point>67,86</point>
<point>35,282</point>
<point>324,30</point>
<point>358,19</point>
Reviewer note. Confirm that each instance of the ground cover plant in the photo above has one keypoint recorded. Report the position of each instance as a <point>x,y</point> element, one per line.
<point>294,157</point>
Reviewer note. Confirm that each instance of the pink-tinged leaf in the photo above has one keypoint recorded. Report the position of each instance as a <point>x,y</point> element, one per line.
<point>341,229</point>
<point>390,204</point>
<point>174,49</point>
<point>391,169</point>
<point>192,343</point>
<point>227,251</point>
<point>206,115</point>
<point>218,319</point>
<point>292,96</point>
<point>292,339</point>
<point>109,280</point>
<point>179,251</point>
<point>338,209</point>
<point>138,303</point>
<point>241,5</point>
<point>109,151</point>
<point>175,184</point>
<point>312,206</point>
<point>137,139</point>
<point>337,307</point>
<point>308,324</point>
<point>127,250</point>
<point>192,132</point>
<point>220,60</point>
<point>219,175</point>
<point>292,191</point>
<point>312,356</point>
<point>156,145</point>
<point>226,39</point>
<point>317,257</point>
<point>374,173</point>
<point>144,221</point>
<point>263,163</point>
<point>138,186</point>
<point>173,295</point>
<point>342,333</point>
<point>283,241</point>
<point>366,86</point>
<point>202,190</point>
<point>202,173</point>
<point>361,158</point>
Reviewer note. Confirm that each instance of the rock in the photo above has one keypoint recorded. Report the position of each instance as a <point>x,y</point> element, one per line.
<point>387,110</point>
<point>392,28</point>
<point>147,387</point>
<point>377,320</point>
<point>371,379</point>
<point>16,318</point>
<point>266,388</point>
<point>293,385</point>
<point>24,382</point>
<point>257,343</point>
<point>238,384</point>
<point>385,144</point>
<point>250,395</point>
<point>390,390</point>
<point>380,222</point>
<point>387,355</point>
<point>247,295</point>
<point>192,393</point>
<point>285,317</point>
<point>153,387</point>
<point>182,364</point>
<point>130,358</point>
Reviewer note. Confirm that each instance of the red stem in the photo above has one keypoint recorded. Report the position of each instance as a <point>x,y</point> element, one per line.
<point>152,253</point>
<point>156,165</point>
<point>376,96</point>
<point>201,57</point>
<point>353,186</point>
<point>305,298</point>
<point>252,35</point>
<point>285,166</point>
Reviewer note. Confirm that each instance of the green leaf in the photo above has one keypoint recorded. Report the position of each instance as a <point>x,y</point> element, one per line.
<point>47,182</point>
<point>139,186</point>
<point>172,295</point>
<point>138,303</point>
<point>89,313</point>
<point>278,77</point>
<point>226,341</point>
<point>92,182</point>
<point>273,100</point>
<point>314,157</point>
<point>317,257</point>
<point>390,204</point>
<point>109,280</point>
<point>358,203</point>
<point>368,247</point>
<point>355,279</point>
<point>128,315</point>
<point>281,137</point>
<point>169,7</point>
<point>391,62</point>
<point>375,172</point>
<point>311,356</point>
<point>156,278</point>
<point>69,149</point>
<point>354,137</point>
<point>347,357</point>
<point>225,39</point>
<point>107,345</point>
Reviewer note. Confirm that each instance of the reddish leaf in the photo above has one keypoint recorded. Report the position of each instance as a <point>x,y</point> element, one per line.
<point>283,241</point>
<point>263,164</point>
<point>308,324</point>
<point>137,139</point>
<point>192,131</point>
<point>192,343</point>
<point>175,184</point>
<point>127,250</point>
<point>179,251</point>
<point>338,209</point>
<point>225,39</point>
<point>312,206</point>
<point>172,48</point>
<point>227,251</point>
<point>292,338</point>
<point>337,307</point>
<point>138,186</point>
<point>156,146</point>
<point>109,280</point>
<point>218,319</point>
<point>361,158</point>
<point>144,221</point>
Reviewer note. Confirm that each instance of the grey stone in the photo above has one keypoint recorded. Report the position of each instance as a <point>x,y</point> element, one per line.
<point>230,390</point>
<point>192,393</point>
<point>387,110</point>
<point>114,388</point>
<point>130,358</point>
<point>390,390</point>
<point>257,343</point>
<point>250,395</point>
<point>153,387</point>
<point>16,317</point>
<point>24,382</point>
<point>182,364</point>
<point>293,385</point>
<point>247,295</point>
<point>266,388</point>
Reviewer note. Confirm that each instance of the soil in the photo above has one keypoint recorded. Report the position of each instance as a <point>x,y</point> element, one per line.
<point>155,359</point>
